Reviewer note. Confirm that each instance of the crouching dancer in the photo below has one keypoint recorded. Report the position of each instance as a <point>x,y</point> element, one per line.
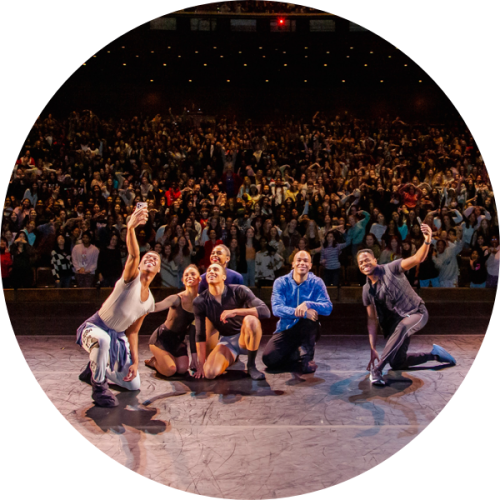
<point>233,311</point>
<point>111,335</point>
<point>298,298</point>
<point>392,303</point>
<point>167,343</point>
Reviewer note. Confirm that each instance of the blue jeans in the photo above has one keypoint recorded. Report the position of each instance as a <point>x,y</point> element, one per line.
<point>481,285</point>
<point>425,283</point>
<point>249,276</point>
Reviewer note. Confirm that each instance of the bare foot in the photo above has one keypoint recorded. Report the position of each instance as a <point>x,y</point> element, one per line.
<point>150,362</point>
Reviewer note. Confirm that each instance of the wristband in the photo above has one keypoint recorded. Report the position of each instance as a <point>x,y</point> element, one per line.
<point>425,243</point>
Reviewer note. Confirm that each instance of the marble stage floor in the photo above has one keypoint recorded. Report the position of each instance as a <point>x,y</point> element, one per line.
<point>236,438</point>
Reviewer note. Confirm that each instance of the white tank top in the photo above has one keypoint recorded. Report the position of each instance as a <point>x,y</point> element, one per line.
<point>124,306</point>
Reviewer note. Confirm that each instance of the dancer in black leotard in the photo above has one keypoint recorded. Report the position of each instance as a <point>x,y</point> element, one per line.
<point>167,343</point>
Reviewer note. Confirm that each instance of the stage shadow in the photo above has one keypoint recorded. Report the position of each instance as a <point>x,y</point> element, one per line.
<point>130,412</point>
<point>231,386</point>
<point>364,394</point>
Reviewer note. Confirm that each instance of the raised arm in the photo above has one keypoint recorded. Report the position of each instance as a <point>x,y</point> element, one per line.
<point>131,270</point>
<point>421,253</point>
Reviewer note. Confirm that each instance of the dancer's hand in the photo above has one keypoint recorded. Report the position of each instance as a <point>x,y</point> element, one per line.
<point>132,373</point>
<point>200,373</point>
<point>226,315</point>
<point>138,217</point>
<point>312,314</point>
<point>374,357</point>
<point>301,310</point>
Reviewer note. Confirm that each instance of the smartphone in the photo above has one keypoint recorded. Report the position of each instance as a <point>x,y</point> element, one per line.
<point>141,204</point>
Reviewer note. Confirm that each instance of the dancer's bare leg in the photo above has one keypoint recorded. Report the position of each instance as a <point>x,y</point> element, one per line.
<point>218,361</point>
<point>165,363</point>
<point>251,335</point>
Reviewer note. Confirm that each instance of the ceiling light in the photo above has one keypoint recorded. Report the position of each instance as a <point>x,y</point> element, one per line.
<point>124,64</point>
<point>306,48</point>
<point>327,51</point>
<point>381,81</point>
<point>222,56</point>
<point>228,81</point>
<point>260,48</point>
<point>284,64</point>
<point>152,52</point>
<point>164,64</point>
<point>351,48</point>
<point>305,81</point>
<point>205,64</point>
<point>325,64</point>
<point>244,65</point>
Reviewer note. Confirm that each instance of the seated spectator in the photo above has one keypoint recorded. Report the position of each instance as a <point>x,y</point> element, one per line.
<point>62,266</point>
<point>169,269</point>
<point>84,257</point>
<point>22,263</point>
<point>6,262</point>
<point>329,259</point>
<point>371,242</point>
<point>392,252</point>
<point>250,248</point>
<point>427,273</point>
<point>109,263</point>
<point>267,262</point>
<point>477,270</point>
<point>492,263</point>
<point>445,259</point>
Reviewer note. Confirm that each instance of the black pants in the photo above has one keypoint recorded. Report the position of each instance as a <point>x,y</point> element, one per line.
<point>396,350</point>
<point>331,277</point>
<point>302,337</point>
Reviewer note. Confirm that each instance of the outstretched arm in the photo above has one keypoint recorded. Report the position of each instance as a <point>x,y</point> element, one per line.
<point>167,302</point>
<point>421,254</point>
<point>131,270</point>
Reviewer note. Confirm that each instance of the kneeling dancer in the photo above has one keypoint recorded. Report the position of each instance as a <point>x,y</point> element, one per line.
<point>298,298</point>
<point>167,343</point>
<point>392,303</point>
<point>235,312</point>
<point>111,335</point>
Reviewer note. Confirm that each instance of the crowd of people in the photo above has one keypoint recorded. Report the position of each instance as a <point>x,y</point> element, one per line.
<point>327,184</point>
<point>252,7</point>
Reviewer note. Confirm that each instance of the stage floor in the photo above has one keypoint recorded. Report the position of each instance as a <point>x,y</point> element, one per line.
<point>236,438</point>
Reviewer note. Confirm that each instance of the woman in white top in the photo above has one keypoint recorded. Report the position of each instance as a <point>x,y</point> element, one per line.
<point>379,228</point>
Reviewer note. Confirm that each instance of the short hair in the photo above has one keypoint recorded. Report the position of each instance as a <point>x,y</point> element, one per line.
<point>226,249</point>
<point>452,231</point>
<point>365,250</point>
<point>221,266</point>
<point>301,251</point>
<point>87,233</point>
<point>152,251</point>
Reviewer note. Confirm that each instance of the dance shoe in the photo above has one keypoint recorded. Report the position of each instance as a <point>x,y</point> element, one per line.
<point>86,375</point>
<point>102,395</point>
<point>376,378</point>
<point>443,355</point>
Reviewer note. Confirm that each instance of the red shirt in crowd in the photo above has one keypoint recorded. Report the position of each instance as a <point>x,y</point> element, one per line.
<point>6,264</point>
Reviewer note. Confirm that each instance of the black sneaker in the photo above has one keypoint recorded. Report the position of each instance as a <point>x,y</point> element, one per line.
<point>102,395</point>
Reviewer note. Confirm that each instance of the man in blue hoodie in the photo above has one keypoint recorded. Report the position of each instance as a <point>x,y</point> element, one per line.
<point>298,299</point>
